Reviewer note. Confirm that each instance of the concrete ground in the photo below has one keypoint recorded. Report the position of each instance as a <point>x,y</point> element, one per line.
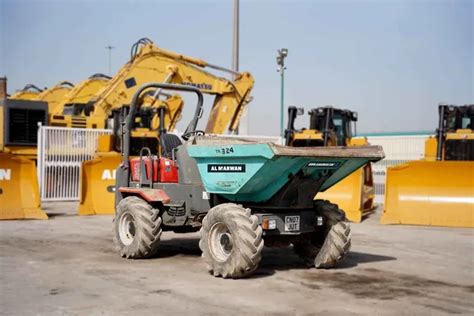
<point>68,265</point>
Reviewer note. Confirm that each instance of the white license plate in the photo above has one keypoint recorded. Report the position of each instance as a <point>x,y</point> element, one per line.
<point>292,223</point>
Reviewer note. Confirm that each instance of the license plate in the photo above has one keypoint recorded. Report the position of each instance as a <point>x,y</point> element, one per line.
<point>292,223</point>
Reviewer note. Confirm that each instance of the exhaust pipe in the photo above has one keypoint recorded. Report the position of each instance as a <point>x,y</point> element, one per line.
<point>3,87</point>
<point>440,131</point>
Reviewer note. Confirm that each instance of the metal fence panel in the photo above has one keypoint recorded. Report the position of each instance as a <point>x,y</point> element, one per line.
<point>61,152</point>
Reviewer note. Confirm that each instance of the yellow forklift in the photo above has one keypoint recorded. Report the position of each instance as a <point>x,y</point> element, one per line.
<point>329,127</point>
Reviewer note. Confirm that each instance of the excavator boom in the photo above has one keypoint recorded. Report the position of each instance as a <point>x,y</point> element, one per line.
<point>150,63</point>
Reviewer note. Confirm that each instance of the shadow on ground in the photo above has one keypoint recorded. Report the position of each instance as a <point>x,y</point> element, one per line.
<point>273,259</point>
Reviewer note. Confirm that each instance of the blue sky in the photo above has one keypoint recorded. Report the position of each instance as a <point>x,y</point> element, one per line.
<point>392,61</point>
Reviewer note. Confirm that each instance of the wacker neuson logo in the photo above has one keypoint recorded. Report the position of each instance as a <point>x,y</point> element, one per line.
<point>323,164</point>
<point>226,168</point>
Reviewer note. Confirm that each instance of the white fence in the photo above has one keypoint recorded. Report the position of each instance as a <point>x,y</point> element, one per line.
<point>60,154</point>
<point>398,149</point>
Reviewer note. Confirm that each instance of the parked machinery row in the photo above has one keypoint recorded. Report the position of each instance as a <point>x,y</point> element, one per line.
<point>438,190</point>
<point>100,101</point>
<point>416,193</point>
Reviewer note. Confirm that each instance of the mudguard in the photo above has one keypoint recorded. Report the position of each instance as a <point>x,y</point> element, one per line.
<point>149,195</point>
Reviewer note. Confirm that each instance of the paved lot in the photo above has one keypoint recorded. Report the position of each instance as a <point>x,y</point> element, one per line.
<point>68,265</point>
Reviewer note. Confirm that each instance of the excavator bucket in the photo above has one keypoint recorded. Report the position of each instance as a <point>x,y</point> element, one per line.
<point>355,194</point>
<point>437,193</point>
<point>98,184</point>
<point>19,192</point>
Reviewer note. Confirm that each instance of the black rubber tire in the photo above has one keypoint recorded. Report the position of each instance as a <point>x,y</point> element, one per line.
<point>246,237</point>
<point>325,249</point>
<point>147,226</point>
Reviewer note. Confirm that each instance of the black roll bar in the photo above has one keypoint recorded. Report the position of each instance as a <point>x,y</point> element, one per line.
<point>127,124</point>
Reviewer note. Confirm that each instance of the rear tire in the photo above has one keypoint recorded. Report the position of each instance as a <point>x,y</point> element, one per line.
<point>325,249</point>
<point>137,228</point>
<point>231,241</point>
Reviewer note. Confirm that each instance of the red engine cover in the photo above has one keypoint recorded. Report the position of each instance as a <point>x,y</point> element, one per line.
<point>168,171</point>
<point>135,168</point>
<point>164,169</point>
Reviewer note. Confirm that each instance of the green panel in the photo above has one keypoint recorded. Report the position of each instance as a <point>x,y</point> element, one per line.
<point>253,156</point>
<point>252,172</point>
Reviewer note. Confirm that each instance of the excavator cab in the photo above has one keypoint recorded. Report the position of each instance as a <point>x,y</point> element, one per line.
<point>331,126</point>
<point>76,107</point>
<point>77,102</point>
<point>438,190</point>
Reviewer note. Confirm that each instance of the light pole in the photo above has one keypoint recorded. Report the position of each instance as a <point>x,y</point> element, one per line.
<point>110,58</point>
<point>282,54</point>
<point>235,39</point>
<point>243,125</point>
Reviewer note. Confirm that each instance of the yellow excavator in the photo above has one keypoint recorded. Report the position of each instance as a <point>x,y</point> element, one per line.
<point>53,96</point>
<point>19,193</point>
<point>149,63</point>
<point>335,127</point>
<point>76,103</point>
<point>438,190</point>
<point>29,92</point>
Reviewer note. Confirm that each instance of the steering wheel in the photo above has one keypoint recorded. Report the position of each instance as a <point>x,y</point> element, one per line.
<point>187,135</point>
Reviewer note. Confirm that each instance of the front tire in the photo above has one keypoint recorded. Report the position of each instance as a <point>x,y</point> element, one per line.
<point>327,248</point>
<point>231,241</point>
<point>137,228</point>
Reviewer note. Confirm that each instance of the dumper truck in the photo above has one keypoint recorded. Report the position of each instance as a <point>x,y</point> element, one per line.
<point>240,195</point>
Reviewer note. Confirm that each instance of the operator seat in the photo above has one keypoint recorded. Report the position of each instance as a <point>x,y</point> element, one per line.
<point>168,143</point>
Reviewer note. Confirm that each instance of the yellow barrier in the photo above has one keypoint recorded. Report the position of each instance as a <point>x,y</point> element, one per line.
<point>19,192</point>
<point>355,194</point>
<point>98,184</point>
<point>438,193</point>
